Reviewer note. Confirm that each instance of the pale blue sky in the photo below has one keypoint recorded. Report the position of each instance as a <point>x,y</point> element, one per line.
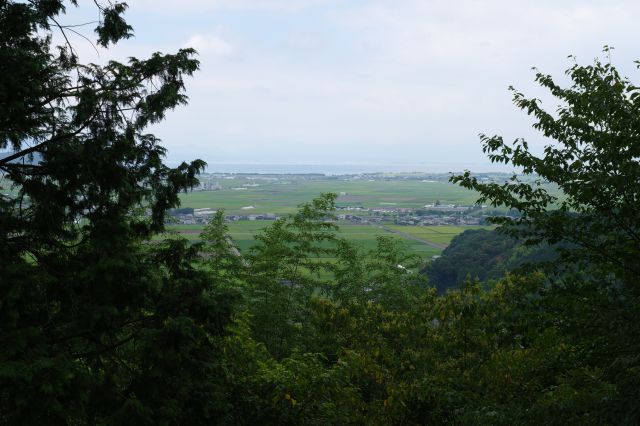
<point>382,82</point>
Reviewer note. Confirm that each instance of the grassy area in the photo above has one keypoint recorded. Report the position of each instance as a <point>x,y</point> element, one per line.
<point>364,236</point>
<point>435,234</point>
<point>283,197</point>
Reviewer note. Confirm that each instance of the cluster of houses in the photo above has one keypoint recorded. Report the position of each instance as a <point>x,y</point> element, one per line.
<point>415,220</point>
<point>203,216</point>
<point>434,220</point>
<point>266,216</point>
<point>429,215</point>
<point>207,185</point>
<point>446,215</point>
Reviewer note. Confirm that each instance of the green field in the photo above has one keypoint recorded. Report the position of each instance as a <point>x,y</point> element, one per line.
<point>435,234</point>
<point>364,236</point>
<point>281,197</point>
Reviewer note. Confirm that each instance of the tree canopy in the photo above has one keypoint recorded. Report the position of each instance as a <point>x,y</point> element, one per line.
<point>594,160</point>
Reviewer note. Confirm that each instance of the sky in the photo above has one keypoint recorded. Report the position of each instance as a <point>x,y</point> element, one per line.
<point>402,82</point>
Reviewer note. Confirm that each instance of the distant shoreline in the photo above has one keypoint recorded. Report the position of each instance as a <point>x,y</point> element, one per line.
<point>338,169</point>
<point>347,169</point>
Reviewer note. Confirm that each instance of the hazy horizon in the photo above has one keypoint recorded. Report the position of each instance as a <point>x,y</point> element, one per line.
<point>336,168</point>
<point>352,168</point>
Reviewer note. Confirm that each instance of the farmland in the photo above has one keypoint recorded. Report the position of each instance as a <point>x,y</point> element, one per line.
<point>381,201</point>
<point>364,236</point>
<point>280,194</point>
<point>434,234</point>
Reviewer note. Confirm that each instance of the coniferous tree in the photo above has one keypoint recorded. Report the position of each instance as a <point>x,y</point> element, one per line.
<point>95,324</point>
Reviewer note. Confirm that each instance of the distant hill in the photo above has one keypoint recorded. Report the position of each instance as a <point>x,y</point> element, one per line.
<point>484,255</point>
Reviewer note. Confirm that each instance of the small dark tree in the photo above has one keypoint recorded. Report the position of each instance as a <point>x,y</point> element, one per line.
<point>222,258</point>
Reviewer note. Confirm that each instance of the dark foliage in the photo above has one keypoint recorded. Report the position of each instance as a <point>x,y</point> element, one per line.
<point>487,255</point>
<point>96,325</point>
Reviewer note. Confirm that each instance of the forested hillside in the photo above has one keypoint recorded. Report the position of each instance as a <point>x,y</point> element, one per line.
<point>102,324</point>
<point>486,255</point>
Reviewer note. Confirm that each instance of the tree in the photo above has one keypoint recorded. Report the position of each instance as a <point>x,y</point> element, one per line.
<point>286,265</point>
<point>594,162</point>
<point>591,296</point>
<point>222,257</point>
<point>96,325</point>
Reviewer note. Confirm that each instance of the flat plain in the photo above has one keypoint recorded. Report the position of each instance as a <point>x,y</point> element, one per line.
<point>248,195</point>
<point>251,195</point>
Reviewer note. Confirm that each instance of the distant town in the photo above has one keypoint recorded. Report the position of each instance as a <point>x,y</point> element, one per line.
<point>349,206</point>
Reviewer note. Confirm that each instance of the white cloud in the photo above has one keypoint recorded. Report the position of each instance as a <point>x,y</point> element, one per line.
<point>423,33</point>
<point>305,40</point>
<point>211,44</point>
<point>401,80</point>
